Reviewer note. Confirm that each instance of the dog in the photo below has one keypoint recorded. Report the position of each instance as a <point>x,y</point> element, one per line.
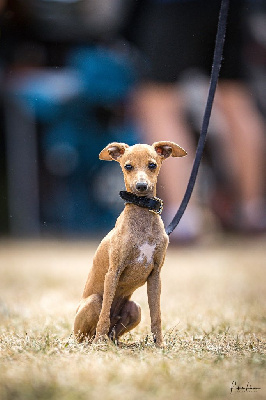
<point>132,253</point>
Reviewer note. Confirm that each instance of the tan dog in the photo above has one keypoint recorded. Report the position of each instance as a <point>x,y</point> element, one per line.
<point>132,253</point>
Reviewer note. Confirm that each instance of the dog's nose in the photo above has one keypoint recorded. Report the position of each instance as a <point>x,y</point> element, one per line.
<point>141,186</point>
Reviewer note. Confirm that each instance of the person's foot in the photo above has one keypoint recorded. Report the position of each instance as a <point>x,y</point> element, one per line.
<point>247,218</point>
<point>250,218</point>
<point>189,228</point>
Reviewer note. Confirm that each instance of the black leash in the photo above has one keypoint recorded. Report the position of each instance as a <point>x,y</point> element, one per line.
<point>217,59</point>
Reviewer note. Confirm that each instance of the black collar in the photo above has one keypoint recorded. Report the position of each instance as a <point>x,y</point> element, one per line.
<point>154,204</point>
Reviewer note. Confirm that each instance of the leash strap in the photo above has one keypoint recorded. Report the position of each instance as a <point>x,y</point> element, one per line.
<point>217,59</point>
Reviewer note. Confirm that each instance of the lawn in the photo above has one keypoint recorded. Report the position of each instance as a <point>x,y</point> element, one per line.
<point>214,325</point>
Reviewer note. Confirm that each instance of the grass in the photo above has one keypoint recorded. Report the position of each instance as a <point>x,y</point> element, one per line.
<point>214,324</point>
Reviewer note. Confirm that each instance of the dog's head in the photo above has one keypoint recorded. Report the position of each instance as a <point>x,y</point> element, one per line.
<point>141,163</point>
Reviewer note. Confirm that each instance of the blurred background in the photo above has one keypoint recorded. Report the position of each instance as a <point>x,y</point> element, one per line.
<point>71,75</point>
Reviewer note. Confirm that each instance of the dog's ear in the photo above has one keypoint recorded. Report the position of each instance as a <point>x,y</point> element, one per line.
<point>113,151</point>
<point>167,149</point>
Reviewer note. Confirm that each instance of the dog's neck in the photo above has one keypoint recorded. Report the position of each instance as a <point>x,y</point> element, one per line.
<point>153,204</point>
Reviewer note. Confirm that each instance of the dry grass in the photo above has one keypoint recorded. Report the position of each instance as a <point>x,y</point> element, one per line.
<point>214,322</point>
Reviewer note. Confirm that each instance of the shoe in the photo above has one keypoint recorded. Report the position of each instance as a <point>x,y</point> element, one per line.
<point>188,230</point>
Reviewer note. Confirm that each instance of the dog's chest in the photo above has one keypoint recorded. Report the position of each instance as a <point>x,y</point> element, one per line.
<point>138,267</point>
<point>145,241</point>
<point>146,252</point>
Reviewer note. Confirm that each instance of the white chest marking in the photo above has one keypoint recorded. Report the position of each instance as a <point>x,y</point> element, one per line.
<point>146,251</point>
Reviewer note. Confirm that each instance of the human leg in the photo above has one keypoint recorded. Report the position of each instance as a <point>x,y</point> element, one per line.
<point>159,111</point>
<point>246,145</point>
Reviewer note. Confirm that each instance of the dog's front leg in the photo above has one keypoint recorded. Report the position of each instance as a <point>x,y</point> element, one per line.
<point>154,293</point>
<point>110,285</point>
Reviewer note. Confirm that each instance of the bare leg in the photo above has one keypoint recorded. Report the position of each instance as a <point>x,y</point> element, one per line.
<point>158,110</point>
<point>87,317</point>
<point>160,115</point>
<point>247,146</point>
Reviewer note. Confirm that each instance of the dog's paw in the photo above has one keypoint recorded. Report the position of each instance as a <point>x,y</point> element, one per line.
<point>159,344</point>
<point>158,341</point>
<point>101,339</point>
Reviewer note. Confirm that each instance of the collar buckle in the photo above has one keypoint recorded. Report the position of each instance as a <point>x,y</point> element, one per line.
<point>160,210</point>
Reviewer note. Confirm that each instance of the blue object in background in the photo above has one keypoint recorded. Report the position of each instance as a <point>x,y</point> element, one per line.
<point>106,76</point>
<point>79,193</point>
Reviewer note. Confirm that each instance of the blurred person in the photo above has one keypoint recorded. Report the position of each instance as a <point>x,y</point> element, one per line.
<point>175,36</point>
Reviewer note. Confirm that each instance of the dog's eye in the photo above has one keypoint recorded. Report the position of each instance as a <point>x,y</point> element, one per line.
<point>152,166</point>
<point>128,167</point>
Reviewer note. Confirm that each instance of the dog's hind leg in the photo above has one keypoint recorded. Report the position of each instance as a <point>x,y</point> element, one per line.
<point>129,317</point>
<point>87,317</point>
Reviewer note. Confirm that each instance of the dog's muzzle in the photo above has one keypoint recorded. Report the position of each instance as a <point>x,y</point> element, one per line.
<point>141,186</point>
